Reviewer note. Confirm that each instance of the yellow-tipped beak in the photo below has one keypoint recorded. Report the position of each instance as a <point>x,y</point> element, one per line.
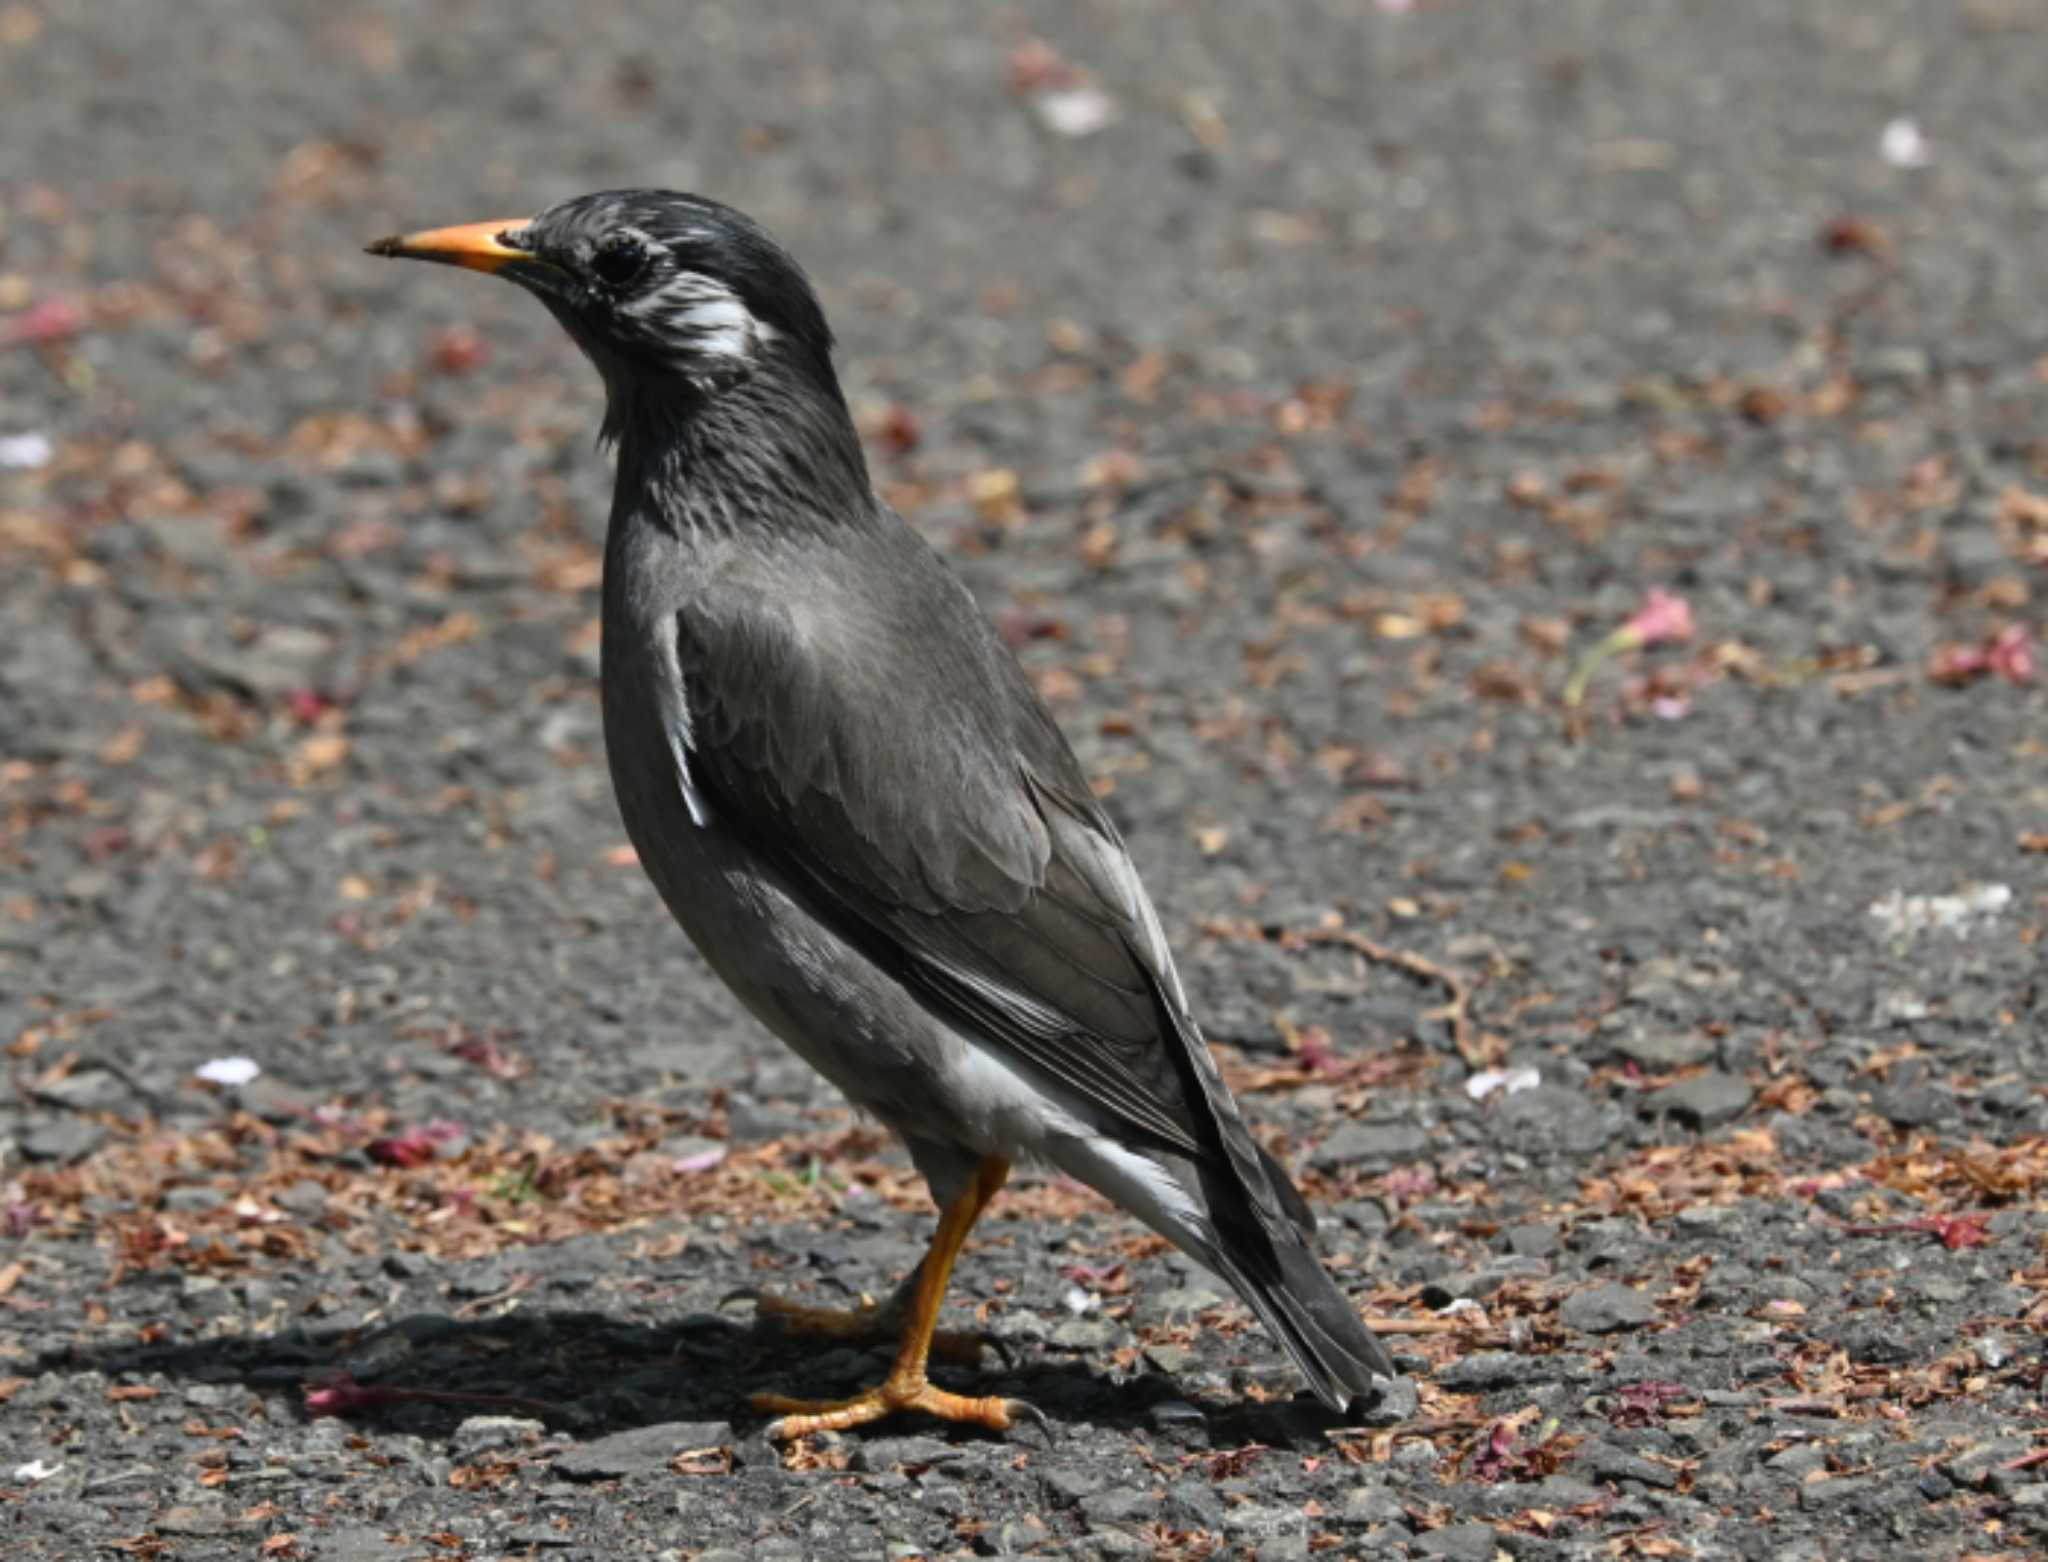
<point>478,245</point>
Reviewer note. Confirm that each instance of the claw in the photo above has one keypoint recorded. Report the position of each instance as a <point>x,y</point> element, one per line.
<point>1037,1417</point>
<point>801,1417</point>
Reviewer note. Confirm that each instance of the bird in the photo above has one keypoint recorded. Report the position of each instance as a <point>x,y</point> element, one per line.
<point>852,798</point>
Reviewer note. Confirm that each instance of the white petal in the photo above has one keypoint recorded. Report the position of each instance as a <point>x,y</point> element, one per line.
<point>25,450</point>
<point>229,1071</point>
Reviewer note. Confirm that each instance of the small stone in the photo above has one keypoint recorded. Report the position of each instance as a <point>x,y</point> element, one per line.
<point>85,1090</point>
<point>482,1434</point>
<point>1836,1492</point>
<point>1978,1464</point>
<point>1398,1402</point>
<point>1608,1463</point>
<point>1485,1369</point>
<point>191,1201</point>
<point>644,1450</point>
<point>206,1297</point>
<point>1083,1334</point>
<point>1994,1350</point>
<point>1457,1543</point>
<point>488,1278</point>
<point>748,1121</point>
<point>1192,1503</point>
<point>1369,1145</point>
<point>894,1453</point>
<point>536,1536</point>
<point>1552,1120</point>
<point>276,1103</point>
<point>1171,1360</point>
<point>1916,1106</point>
<point>304,1198</point>
<point>1284,1548</point>
<point>1119,1505</point>
<point>1065,1488</point>
<point>1706,1100</point>
<point>186,1520</point>
<point>65,1141</point>
<point>1798,1462</point>
<point>1534,1241</point>
<point>1607,1309</point>
<point>1374,1504</point>
<point>1661,1052</point>
<point>2032,1495</point>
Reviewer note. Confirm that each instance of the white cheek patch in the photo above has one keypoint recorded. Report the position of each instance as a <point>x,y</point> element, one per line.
<point>694,314</point>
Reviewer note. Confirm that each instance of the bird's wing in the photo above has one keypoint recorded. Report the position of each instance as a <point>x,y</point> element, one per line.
<point>855,719</point>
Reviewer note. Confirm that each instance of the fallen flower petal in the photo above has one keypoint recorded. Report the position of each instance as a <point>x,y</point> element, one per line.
<point>342,1395</point>
<point>52,320</point>
<point>701,1162</point>
<point>2011,654</point>
<point>1902,145</point>
<point>1508,1081</point>
<point>1075,111</point>
<point>1662,617</point>
<point>23,452</point>
<point>228,1071</point>
<point>416,1146</point>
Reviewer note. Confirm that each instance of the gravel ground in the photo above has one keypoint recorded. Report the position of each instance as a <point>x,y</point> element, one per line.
<point>1304,424</point>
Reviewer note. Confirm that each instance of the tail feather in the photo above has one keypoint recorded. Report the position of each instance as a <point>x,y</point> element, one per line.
<point>1303,1308</point>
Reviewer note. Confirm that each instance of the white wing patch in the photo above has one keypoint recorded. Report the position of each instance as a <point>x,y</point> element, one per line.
<point>674,699</point>
<point>701,316</point>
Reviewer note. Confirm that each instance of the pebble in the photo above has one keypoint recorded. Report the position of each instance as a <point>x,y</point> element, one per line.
<point>1835,1492</point>
<point>482,1434</point>
<point>1457,1543</point>
<point>1706,1100</point>
<point>66,1141</point>
<point>1607,1309</point>
<point>1369,1146</point>
<point>1398,1403</point>
<point>1491,1369</point>
<point>1534,1241</point>
<point>645,1450</point>
<point>1660,1052</point>
<point>1607,1463</point>
<point>1553,1120</point>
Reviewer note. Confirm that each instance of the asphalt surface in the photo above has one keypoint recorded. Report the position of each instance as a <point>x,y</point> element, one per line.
<point>1304,423</point>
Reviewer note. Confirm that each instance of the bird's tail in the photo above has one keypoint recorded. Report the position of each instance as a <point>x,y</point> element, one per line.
<point>1303,1308</point>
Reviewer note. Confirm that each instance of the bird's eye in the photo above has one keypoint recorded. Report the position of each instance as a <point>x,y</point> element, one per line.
<point>619,262</point>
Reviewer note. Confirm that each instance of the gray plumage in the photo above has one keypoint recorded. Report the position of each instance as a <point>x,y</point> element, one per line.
<point>850,795</point>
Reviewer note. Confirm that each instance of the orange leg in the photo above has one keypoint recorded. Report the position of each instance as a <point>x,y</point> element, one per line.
<point>905,1388</point>
<point>863,1325</point>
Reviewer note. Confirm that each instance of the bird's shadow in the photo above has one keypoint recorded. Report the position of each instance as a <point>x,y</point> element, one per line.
<point>587,1375</point>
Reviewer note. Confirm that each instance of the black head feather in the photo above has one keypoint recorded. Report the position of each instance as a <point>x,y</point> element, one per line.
<point>654,282</point>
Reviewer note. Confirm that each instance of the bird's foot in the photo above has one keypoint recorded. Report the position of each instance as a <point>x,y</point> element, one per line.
<point>868,1325</point>
<point>801,1417</point>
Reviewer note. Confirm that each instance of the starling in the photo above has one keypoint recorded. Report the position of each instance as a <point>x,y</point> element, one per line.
<point>855,803</point>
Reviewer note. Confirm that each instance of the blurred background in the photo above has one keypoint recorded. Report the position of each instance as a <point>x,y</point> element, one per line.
<point>1306,389</point>
<point>1320,374</point>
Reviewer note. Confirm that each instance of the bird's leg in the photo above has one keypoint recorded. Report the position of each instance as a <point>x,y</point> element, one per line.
<point>863,1325</point>
<point>905,1388</point>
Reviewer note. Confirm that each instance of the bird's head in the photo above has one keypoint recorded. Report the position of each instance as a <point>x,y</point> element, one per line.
<point>654,286</point>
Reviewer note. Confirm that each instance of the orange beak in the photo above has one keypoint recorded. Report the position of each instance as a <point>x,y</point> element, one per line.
<point>479,246</point>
